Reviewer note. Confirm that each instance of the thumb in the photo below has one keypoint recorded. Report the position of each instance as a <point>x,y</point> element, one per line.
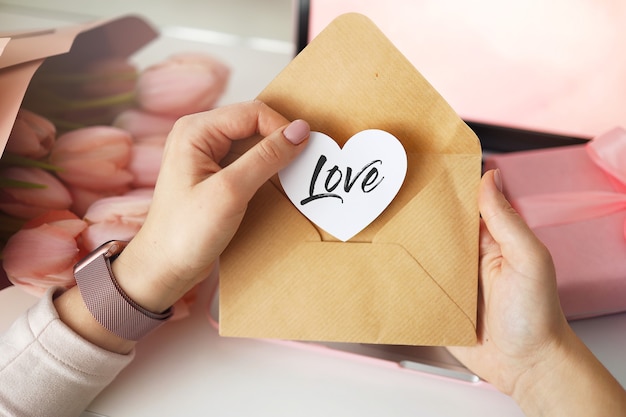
<point>504,224</point>
<point>268,156</point>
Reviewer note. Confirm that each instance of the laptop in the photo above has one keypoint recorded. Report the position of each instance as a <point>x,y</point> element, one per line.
<point>519,88</point>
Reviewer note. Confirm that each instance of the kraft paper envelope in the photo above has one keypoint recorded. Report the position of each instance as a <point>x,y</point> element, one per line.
<point>410,277</point>
<point>23,53</point>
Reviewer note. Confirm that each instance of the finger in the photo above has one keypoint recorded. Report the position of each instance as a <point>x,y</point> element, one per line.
<point>504,224</point>
<point>238,121</point>
<point>266,158</point>
<point>210,134</point>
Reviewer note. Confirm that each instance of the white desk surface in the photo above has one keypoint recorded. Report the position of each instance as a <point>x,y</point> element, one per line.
<point>186,368</point>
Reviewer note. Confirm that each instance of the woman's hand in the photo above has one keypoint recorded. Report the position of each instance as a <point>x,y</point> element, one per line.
<point>198,205</point>
<point>525,346</point>
<point>196,209</point>
<point>519,312</point>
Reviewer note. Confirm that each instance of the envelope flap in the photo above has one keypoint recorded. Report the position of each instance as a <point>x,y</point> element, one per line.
<point>269,210</point>
<point>344,83</point>
<point>394,298</point>
<point>446,241</point>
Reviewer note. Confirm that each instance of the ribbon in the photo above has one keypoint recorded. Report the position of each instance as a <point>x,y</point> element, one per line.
<point>608,152</point>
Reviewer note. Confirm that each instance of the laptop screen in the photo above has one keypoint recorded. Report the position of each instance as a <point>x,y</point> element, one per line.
<point>546,66</point>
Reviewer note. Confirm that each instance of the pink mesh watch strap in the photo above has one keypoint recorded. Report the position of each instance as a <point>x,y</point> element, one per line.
<point>106,300</point>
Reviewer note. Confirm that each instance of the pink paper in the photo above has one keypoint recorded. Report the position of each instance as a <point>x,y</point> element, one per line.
<point>13,84</point>
<point>69,47</point>
<point>590,256</point>
<point>3,43</point>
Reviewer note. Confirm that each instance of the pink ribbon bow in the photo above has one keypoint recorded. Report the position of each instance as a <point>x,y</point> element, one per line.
<point>608,152</point>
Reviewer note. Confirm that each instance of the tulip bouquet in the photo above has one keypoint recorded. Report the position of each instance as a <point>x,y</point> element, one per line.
<point>82,160</point>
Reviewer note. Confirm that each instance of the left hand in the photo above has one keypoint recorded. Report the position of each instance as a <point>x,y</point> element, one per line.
<point>198,205</point>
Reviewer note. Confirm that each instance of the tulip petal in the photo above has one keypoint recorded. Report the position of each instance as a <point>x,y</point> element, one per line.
<point>131,208</point>
<point>95,174</point>
<point>41,257</point>
<point>140,123</point>
<point>32,135</point>
<point>94,158</point>
<point>145,164</point>
<point>27,203</point>
<point>182,84</point>
<point>99,233</point>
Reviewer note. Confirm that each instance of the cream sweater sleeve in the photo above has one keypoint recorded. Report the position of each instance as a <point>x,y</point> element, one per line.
<point>48,370</point>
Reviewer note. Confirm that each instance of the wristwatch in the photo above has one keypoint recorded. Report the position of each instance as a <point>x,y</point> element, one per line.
<point>105,299</point>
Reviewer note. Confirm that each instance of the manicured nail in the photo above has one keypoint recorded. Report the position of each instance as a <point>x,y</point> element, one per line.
<point>497,179</point>
<point>297,131</point>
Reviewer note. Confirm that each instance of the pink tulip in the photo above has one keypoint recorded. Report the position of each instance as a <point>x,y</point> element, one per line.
<point>44,252</point>
<point>99,233</point>
<point>145,164</point>
<point>32,135</point>
<point>183,84</point>
<point>130,207</point>
<point>27,203</point>
<point>117,217</point>
<point>83,198</point>
<point>94,158</point>
<point>140,123</point>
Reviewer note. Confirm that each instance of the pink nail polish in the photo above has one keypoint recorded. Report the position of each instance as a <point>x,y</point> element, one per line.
<point>297,131</point>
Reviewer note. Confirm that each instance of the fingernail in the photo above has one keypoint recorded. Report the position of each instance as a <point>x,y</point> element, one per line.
<point>497,179</point>
<point>297,131</point>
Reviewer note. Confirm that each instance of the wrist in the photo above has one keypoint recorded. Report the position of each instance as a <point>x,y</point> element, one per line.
<point>74,313</point>
<point>569,381</point>
<point>143,275</point>
<point>537,388</point>
<point>106,300</point>
<point>108,312</point>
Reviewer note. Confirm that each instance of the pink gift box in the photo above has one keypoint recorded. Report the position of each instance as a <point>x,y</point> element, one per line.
<point>589,253</point>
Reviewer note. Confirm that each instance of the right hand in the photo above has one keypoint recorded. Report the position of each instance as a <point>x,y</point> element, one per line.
<point>520,318</point>
<point>525,346</point>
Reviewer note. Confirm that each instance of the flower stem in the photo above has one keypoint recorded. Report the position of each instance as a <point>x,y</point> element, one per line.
<point>10,159</point>
<point>11,183</point>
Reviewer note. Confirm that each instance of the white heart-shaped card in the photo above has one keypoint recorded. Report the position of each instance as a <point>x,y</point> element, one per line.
<point>343,190</point>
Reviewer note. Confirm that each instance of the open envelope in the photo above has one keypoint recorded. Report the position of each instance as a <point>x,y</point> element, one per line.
<point>410,277</point>
<point>23,53</point>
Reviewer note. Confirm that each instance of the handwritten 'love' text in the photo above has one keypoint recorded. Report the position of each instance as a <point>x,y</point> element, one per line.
<point>334,177</point>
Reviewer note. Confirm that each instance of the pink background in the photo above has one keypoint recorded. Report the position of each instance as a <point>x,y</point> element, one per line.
<point>557,66</point>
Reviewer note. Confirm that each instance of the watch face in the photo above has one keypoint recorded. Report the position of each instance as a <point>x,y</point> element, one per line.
<point>108,249</point>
